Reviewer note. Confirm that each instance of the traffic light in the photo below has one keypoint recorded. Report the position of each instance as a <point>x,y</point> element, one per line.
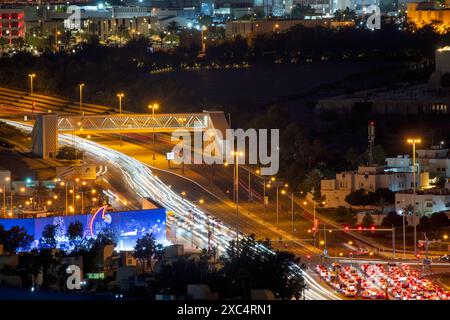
<point>372,229</point>
<point>360,229</point>
<point>418,256</point>
<point>308,257</point>
<point>346,228</point>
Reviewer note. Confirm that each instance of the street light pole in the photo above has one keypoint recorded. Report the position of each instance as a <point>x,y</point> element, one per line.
<point>153,107</point>
<point>32,76</point>
<point>81,86</point>
<point>277,203</point>
<point>404,237</point>
<point>292,211</point>
<point>413,142</point>
<point>237,195</point>
<point>120,96</point>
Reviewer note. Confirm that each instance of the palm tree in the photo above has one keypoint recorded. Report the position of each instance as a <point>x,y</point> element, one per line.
<point>173,27</point>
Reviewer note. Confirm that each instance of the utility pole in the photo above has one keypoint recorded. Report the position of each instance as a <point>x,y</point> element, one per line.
<point>393,242</point>
<point>371,137</point>
<point>249,186</point>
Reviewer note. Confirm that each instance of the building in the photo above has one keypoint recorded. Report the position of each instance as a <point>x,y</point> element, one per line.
<point>421,13</point>
<point>427,201</point>
<point>369,178</point>
<point>115,22</point>
<point>434,160</point>
<point>12,25</point>
<point>250,28</point>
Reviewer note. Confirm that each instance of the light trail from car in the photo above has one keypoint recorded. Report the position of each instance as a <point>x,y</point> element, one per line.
<point>145,184</point>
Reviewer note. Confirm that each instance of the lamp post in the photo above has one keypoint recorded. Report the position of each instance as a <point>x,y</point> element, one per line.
<point>292,209</point>
<point>120,96</point>
<point>81,86</point>
<point>65,184</point>
<point>7,179</point>
<point>153,107</point>
<point>32,76</point>
<point>413,142</point>
<point>57,33</point>
<point>314,218</point>
<point>204,28</point>
<point>237,154</point>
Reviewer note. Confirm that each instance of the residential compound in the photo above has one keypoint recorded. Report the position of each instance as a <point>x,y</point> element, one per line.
<point>434,160</point>
<point>431,195</point>
<point>369,178</point>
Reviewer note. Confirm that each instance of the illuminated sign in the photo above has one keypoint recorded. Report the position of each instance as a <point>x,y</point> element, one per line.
<point>128,226</point>
<point>99,275</point>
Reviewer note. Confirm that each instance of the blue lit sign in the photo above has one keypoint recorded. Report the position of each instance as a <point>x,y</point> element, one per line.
<point>128,226</point>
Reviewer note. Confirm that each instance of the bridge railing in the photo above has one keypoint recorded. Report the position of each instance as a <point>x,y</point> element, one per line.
<point>133,122</point>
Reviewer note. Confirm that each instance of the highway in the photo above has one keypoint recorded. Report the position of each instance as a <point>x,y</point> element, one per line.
<point>140,178</point>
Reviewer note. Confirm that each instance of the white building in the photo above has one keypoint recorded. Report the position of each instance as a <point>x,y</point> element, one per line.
<point>427,201</point>
<point>370,178</point>
<point>434,160</point>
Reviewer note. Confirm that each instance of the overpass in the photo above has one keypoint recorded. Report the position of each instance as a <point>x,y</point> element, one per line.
<point>48,125</point>
<point>121,123</point>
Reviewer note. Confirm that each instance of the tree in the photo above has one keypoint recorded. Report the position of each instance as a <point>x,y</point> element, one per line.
<point>173,27</point>
<point>393,219</point>
<point>445,80</point>
<point>383,196</point>
<point>424,223</point>
<point>440,182</point>
<point>439,220</point>
<point>360,197</point>
<point>75,233</point>
<point>248,268</point>
<point>367,221</point>
<point>69,153</point>
<point>341,212</point>
<point>312,181</point>
<point>15,239</point>
<point>146,250</point>
<point>75,230</point>
<point>48,239</point>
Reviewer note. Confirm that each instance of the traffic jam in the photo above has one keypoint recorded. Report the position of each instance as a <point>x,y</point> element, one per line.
<point>378,281</point>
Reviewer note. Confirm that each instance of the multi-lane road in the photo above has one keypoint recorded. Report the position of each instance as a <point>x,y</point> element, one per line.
<point>144,183</point>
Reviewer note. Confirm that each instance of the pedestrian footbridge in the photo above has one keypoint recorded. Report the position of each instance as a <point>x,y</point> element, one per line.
<point>138,123</point>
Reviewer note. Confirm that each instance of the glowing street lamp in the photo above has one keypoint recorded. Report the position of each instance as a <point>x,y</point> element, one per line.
<point>81,86</point>
<point>153,107</point>
<point>120,96</point>
<point>32,76</point>
<point>237,154</point>
<point>413,141</point>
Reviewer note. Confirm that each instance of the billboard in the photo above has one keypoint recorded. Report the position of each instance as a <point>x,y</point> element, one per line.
<point>128,226</point>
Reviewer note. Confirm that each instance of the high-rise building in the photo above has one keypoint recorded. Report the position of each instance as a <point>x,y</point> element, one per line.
<point>12,24</point>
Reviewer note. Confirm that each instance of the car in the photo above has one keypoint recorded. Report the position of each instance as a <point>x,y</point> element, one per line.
<point>366,294</point>
<point>350,293</point>
<point>380,295</point>
<point>445,258</point>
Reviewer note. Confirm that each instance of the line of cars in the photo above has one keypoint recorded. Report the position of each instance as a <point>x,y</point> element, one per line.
<point>379,281</point>
<point>350,282</point>
<point>403,282</point>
